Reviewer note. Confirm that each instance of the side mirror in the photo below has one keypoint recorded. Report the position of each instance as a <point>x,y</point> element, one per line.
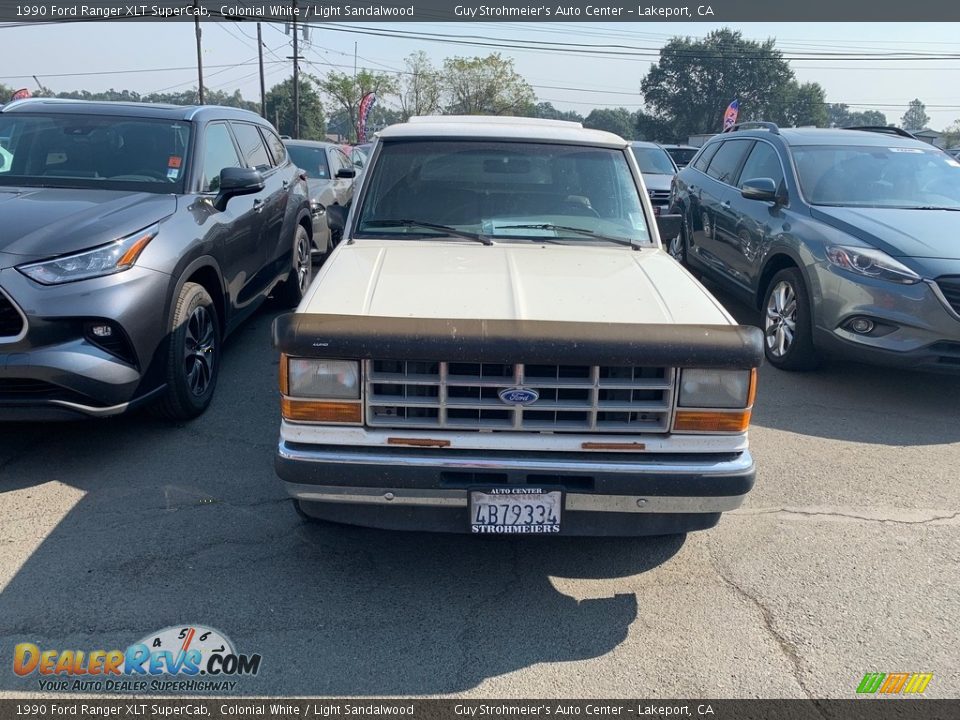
<point>346,173</point>
<point>237,181</point>
<point>759,189</point>
<point>336,217</point>
<point>669,226</point>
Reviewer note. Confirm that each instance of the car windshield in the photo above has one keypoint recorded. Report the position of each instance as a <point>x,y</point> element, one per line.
<point>682,156</point>
<point>502,191</point>
<point>878,176</point>
<point>653,160</point>
<point>311,159</point>
<point>93,151</point>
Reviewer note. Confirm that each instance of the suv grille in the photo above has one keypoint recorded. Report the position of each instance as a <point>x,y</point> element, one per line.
<point>950,287</point>
<point>659,197</point>
<point>465,396</point>
<point>11,321</point>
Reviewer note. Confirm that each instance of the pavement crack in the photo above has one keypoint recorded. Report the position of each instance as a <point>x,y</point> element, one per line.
<point>786,648</point>
<point>930,520</point>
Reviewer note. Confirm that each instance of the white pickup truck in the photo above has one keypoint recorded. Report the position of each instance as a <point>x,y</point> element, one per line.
<point>501,345</point>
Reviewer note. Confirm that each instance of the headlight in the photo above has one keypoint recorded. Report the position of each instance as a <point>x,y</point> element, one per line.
<point>702,388</point>
<point>107,259</point>
<point>871,262</point>
<point>335,379</point>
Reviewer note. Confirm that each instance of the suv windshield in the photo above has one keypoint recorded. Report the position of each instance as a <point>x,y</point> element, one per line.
<point>312,159</point>
<point>653,160</point>
<point>114,153</point>
<point>485,187</point>
<point>876,176</point>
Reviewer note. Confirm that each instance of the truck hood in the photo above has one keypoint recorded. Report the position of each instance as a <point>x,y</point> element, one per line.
<point>656,181</point>
<point>898,232</point>
<point>510,281</point>
<point>44,222</point>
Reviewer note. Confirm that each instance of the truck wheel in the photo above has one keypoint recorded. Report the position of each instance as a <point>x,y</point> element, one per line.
<point>193,357</point>
<point>788,322</point>
<point>295,286</point>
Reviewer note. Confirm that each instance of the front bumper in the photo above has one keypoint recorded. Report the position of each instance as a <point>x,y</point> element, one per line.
<point>428,490</point>
<point>53,372</point>
<point>918,328</point>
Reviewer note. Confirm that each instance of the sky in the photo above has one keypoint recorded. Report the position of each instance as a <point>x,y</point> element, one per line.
<point>135,56</point>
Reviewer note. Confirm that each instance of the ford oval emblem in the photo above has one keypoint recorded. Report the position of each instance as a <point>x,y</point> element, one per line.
<point>518,396</point>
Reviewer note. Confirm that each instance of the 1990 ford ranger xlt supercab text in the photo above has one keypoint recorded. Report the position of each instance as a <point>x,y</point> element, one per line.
<point>500,345</point>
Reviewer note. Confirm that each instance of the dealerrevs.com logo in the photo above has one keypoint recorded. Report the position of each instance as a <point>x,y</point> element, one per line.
<point>175,659</point>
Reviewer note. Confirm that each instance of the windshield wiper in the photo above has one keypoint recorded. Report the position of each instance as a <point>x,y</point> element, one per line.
<point>926,207</point>
<point>452,231</point>
<point>567,228</point>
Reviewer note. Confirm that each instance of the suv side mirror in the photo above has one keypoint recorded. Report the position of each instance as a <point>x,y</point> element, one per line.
<point>346,173</point>
<point>336,217</point>
<point>237,181</point>
<point>759,189</point>
<point>669,226</point>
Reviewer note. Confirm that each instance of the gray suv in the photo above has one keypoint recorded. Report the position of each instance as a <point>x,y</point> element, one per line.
<point>135,238</point>
<point>846,240</point>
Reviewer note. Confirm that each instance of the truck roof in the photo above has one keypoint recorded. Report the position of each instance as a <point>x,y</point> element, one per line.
<point>497,127</point>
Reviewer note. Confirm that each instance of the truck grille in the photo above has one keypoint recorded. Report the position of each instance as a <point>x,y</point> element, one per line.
<point>11,321</point>
<point>465,396</point>
<point>950,287</point>
<point>659,197</point>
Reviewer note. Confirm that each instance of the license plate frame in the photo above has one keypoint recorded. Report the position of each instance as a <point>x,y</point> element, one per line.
<point>522,497</point>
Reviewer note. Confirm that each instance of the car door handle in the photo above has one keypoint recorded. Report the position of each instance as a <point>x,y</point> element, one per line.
<point>286,184</point>
<point>726,203</point>
<point>258,205</point>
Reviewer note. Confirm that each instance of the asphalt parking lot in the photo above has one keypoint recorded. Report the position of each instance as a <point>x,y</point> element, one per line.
<point>845,558</point>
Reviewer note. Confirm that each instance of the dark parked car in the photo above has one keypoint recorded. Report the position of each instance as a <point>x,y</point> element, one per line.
<point>658,169</point>
<point>846,239</point>
<point>135,238</point>
<point>330,179</point>
<point>681,154</point>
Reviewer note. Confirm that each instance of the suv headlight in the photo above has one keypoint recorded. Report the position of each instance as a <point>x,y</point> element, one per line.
<point>871,262</point>
<point>703,388</point>
<point>335,379</point>
<point>108,259</point>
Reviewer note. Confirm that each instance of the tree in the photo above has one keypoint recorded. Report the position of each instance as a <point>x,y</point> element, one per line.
<point>421,88</point>
<point>485,86</point>
<point>619,121</point>
<point>802,105</point>
<point>346,91</point>
<point>313,125</point>
<point>648,127</point>
<point>694,81</point>
<point>839,115</point>
<point>915,118</point>
<point>951,134</point>
<point>547,111</point>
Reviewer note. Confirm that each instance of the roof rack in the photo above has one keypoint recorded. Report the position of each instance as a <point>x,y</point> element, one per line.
<point>886,129</point>
<point>754,125</point>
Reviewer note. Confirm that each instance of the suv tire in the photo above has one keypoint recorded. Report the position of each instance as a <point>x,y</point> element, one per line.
<point>677,247</point>
<point>788,323</point>
<point>193,355</point>
<point>291,292</point>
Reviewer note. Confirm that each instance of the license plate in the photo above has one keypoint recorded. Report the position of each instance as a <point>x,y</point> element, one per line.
<point>506,511</point>
<point>657,210</point>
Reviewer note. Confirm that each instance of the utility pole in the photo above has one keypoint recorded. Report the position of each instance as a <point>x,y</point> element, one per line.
<point>296,76</point>
<point>263,92</point>
<point>196,20</point>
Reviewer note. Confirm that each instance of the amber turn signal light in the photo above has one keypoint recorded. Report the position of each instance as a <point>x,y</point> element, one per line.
<point>711,421</point>
<point>321,411</point>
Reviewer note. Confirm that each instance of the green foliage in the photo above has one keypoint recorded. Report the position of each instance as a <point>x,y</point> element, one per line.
<point>547,111</point>
<point>619,121</point>
<point>485,86</point>
<point>839,115</point>
<point>915,118</point>
<point>695,80</point>
<point>421,88</point>
<point>313,124</point>
<point>801,106</point>
<point>346,91</point>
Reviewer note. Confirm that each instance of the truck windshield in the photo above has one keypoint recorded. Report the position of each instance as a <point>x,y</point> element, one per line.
<point>93,151</point>
<point>502,190</point>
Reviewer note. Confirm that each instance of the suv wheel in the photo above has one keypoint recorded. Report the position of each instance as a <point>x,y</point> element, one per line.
<point>295,286</point>
<point>193,357</point>
<point>677,246</point>
<point>787,323</point>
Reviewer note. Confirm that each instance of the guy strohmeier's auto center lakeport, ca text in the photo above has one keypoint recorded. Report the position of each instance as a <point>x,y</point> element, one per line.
<point>308,11</point>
